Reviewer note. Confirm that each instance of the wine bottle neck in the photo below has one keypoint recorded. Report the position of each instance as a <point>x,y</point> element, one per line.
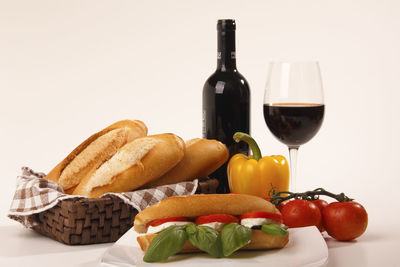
<point>226,57</point>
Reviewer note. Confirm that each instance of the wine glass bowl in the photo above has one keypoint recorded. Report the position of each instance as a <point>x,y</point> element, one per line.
<point>294,124</point>
<point>294,105</point>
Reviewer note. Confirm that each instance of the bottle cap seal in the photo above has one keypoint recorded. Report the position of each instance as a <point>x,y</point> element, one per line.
<point>226,25</point>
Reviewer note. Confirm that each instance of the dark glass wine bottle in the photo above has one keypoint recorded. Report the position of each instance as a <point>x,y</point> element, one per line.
<point>226,100</point>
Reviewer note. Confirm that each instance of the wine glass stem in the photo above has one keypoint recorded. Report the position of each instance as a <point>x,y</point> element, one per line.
<point>293,160</point>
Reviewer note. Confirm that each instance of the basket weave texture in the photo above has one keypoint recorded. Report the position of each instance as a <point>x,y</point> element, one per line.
<point>94,220</point>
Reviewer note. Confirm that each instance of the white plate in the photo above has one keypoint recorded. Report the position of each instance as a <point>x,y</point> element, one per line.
<point>306,247</point>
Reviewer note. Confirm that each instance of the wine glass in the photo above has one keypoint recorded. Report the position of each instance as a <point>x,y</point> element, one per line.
<point>294,106</point>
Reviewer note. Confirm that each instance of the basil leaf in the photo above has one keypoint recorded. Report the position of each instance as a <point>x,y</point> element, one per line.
<point>233,237</point>
<point>168,242</point>
<point>205,238</point>
<point>274,229</point>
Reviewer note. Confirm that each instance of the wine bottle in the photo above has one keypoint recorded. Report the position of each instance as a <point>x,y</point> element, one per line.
<point>226,100</point>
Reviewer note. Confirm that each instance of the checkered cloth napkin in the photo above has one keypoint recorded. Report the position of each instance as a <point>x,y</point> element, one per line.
<point>35,194</point>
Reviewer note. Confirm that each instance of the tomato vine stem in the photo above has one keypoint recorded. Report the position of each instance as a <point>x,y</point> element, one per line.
<point>277,198</point>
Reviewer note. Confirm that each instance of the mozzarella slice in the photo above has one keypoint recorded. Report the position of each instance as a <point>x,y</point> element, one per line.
<point>250,222</point>
<point>215,225</point>
<point>159,228</point>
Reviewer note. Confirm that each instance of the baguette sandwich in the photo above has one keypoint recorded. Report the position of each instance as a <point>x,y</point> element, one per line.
<point>218,224</point>
<point>94,151</point>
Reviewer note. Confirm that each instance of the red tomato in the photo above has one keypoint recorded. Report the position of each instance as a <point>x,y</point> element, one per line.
<point>222,218</point>
<point>282,204</point>
<point>345,220</point>
<point>171,219</point>
<point>263,214</point>
<point>321,204</point>
<point>300,213</point>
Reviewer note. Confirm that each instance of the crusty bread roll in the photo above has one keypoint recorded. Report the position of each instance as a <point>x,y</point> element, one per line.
<point>259,241</point>
<point>199,205</point>
<point>94,151</point>
<point>202,157</point>
<point>135,164</point>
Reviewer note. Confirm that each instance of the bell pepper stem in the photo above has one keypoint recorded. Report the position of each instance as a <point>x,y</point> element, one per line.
<point>239,136</point>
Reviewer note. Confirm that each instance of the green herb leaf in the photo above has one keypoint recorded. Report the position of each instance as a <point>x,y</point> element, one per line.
<point>274,229</point>
<point>168,242</point>
<point>205,238</point>
<point>233,237</point>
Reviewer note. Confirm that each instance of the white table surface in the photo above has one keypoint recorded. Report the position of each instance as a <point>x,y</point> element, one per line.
<point>70,68</point>
<point>22,247</point>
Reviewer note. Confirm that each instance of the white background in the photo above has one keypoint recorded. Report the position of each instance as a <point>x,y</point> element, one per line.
<point>70,68</point>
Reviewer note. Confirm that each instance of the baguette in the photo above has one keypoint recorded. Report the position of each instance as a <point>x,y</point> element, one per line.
<point>202,157</point>
<point>200,205</point>
<point>94,151</point>
<point>135,164</point>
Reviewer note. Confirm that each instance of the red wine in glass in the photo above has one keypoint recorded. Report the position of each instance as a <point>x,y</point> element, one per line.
<point>294,124</point>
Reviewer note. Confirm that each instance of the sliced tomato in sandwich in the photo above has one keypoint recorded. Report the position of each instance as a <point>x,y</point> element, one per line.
<point>165,220</point>
<point>271,216</point>
<point>219,218</point>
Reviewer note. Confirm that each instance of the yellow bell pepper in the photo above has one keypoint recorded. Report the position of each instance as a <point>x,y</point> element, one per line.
<point>257,175</point>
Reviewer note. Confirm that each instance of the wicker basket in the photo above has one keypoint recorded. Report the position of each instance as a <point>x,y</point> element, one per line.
<point>94,220</point>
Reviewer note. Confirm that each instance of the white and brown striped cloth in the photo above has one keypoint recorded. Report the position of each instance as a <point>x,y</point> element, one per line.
<point>35,194</point>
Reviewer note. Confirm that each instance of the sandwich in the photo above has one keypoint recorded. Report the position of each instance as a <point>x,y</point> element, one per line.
<point>218,224</point>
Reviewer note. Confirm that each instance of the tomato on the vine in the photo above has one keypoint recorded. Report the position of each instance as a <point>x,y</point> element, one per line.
<point>345,220</point>
<point>300,213</point>
<point>321,204</point>
<point>282,204</point>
